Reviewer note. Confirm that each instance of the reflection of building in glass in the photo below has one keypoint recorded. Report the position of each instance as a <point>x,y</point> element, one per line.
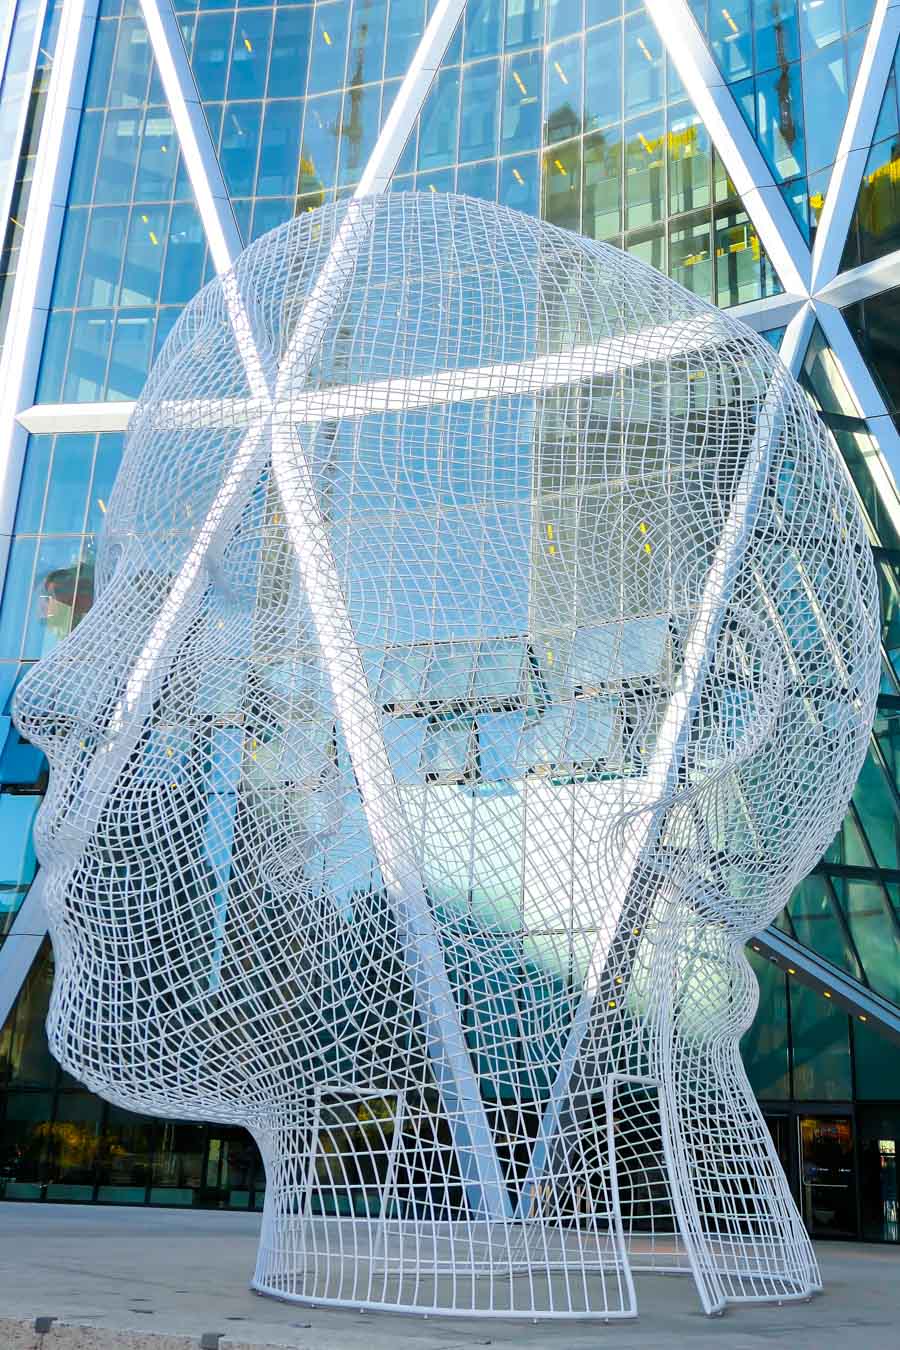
<point>548,107</point>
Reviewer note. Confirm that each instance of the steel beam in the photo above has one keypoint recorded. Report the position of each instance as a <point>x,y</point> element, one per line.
<point>801,962</point>
<point>20,360</point>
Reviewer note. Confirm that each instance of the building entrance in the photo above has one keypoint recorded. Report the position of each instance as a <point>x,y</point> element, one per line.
<point>828,1176</point>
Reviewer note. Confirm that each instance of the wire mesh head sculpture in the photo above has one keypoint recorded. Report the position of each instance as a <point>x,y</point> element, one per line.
<point>485,645</point>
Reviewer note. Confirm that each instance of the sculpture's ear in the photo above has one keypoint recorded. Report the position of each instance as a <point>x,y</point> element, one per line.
<point>743,696</point>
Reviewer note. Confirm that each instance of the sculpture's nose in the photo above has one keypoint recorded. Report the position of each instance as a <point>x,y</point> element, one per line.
<point>59,705</point>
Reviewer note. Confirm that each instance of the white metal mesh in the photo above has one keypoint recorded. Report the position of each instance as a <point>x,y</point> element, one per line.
<point>485,645</point>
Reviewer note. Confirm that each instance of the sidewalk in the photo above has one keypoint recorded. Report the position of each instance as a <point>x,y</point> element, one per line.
<point>142,1279</point>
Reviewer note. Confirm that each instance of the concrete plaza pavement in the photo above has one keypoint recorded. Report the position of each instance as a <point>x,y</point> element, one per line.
<point>140,1279</point>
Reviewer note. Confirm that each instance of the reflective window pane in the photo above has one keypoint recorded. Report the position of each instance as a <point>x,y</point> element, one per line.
<point>821,1044</point>
<point>365,60</point>
<point>290,53</point>
<point>250,55</point>
<point>764,1047</point>
<point>103,257</point>
<point>561,185</point>
<point>33,486</point>
<point>438,125</point>
<point>16,600</point>
<point>603,77</point>
<point>96,93</point>
<point>86,374</point>
<point>84,168</point>
<point>115,167</point>
<point>70,478</point>
<point>359,131</point>
<point>212,44</point>
<point>131,67</point>
<point>406,23</point>
<point>564,17</point>
<point>820,23</point>
<point>521,123</point>
<point>129,359</point>
<point>478,180</point>
<point>53,359</point>
<point>689,160</point>
<point>240,139</point>
<point>158,159</point>
<point>779,119</point>
<point>731,37</point>
<point>185,253</point>
<point>484,20</point>
<point>61,596</point>
<point>690,260</point>
<point>602,206</point>
<point>321,125</point>
<point>328,49</point>
<point>279,150</point>
<point>479,111</point>
<point>824,104</point>
<point>775,33</point>
<point>524,23</point>
<point>17,860</point>
<point>563,106</point>
<point>142,268</point>
<point>267,215</point>
<point>30,1062</point>
<point>644,65</point>
<point>519,183</point>
<point>645,171</point>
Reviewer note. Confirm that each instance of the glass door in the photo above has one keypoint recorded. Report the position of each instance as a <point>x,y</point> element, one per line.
<point>779,1129</point>
<point>827,1176</point>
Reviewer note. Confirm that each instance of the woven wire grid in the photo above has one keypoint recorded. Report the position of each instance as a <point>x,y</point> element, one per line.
<point>485,644</point>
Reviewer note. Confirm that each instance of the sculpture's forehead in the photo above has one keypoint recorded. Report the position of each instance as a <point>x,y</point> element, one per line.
<point>473,356</point>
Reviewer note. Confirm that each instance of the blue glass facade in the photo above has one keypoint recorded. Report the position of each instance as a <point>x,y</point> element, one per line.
<point>571,109</point>
<point>791,65</point>
<point>587,125</point>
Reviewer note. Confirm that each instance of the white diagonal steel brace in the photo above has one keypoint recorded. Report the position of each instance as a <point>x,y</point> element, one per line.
<point>194,138</point>
<point>858,283</point>
<point>30,301</point>
<point>856,139</point>
<point>24,78</point>
<point>672,742</point>
<point>733,139</point>
<point>6,27</point>
<point>356,710</point>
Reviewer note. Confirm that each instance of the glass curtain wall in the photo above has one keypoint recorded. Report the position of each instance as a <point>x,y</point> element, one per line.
<point>564,107</point>
<point>791,65</point>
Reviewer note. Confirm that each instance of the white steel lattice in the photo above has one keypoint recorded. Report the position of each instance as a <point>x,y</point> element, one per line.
<point>485,645</point>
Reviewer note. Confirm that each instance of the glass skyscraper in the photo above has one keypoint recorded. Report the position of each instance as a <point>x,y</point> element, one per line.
<point>750,150</point>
